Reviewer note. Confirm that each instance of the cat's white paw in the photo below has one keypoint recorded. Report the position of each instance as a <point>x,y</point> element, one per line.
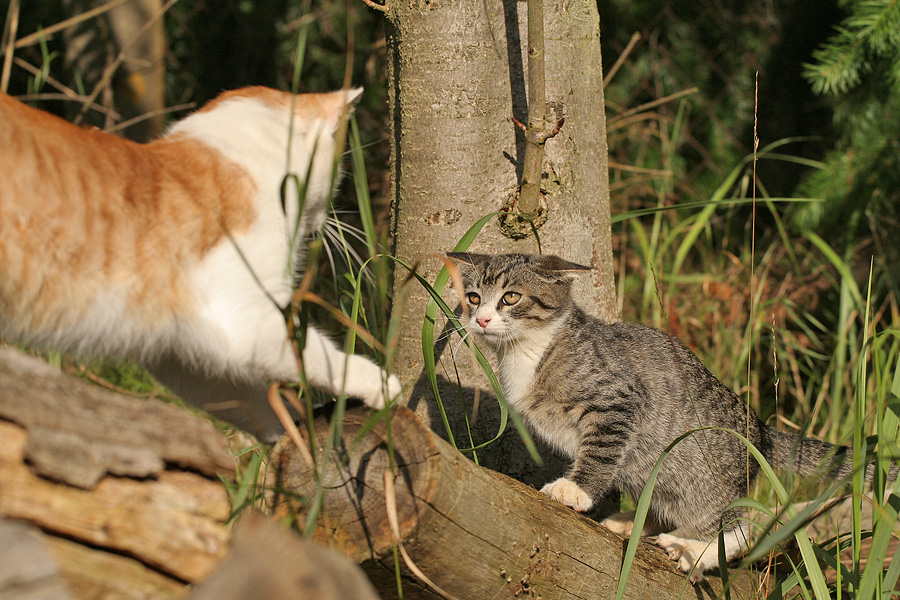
<point>567,492</point>
<point>703,556</point>
<point>690,554</point>
<point>621,523</point>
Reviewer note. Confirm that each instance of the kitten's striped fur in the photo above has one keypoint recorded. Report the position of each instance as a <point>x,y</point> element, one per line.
<point>612,396</point>
<point>112,248</point>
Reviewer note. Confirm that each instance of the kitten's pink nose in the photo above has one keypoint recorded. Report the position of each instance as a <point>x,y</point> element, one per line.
<point>483,321</point>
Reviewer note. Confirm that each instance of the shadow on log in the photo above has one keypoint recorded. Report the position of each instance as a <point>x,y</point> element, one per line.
<point>474,532</point>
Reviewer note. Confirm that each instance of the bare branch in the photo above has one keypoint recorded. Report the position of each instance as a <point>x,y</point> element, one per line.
<point>378,7</point>
<point>635,38</point>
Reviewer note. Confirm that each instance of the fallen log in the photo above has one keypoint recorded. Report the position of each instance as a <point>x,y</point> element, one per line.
<point>472,532</point>
<point>26,569</point>
<point>106,496</point>
<point>125,490</point>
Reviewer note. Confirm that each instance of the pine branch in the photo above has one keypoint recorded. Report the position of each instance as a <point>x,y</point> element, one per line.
<point>870,33</point>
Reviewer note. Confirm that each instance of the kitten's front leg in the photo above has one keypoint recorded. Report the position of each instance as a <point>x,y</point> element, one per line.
<point>596,464</point>
<point>333,371</point>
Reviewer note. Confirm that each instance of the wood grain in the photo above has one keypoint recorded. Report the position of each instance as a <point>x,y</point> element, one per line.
<point>79,432</point>
<point>125,489</point>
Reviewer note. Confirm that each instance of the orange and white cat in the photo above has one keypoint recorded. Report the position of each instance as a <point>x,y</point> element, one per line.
<point>171,253</point>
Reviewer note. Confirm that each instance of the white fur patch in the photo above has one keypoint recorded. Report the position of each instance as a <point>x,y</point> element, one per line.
<point>519,361</point>
<point>239,331</point>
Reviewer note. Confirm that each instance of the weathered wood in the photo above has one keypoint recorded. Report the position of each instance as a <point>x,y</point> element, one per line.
<point>125,489</point>
<point>174,523</point>
<point>96,502</point>
<point>26,570</point>
<point>79,432</point>
<point>475,533</point>
<point>269,562</point>
<point>94,573</point>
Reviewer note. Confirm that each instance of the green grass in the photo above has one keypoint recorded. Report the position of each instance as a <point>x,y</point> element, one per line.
<point>798,337</point>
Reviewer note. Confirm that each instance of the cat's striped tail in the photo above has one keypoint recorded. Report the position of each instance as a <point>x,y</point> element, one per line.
<point>809,457</point>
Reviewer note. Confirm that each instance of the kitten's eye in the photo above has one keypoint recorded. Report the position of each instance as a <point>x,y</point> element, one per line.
<point>510,298</point>
<point>474,299</point>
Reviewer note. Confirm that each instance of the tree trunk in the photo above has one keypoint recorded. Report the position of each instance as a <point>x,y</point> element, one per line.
<point>473,532</point>
<point>135,30</point>
<point>457,78</point>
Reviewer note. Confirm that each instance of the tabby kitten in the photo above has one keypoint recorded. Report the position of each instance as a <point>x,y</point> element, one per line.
<point>613,396</point>
<point>176,253</point>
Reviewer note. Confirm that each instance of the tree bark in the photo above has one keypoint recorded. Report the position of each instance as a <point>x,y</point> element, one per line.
<point>473,532</point>
<point>105,496</point>
<point>457,78</point>
<point>126,491</point>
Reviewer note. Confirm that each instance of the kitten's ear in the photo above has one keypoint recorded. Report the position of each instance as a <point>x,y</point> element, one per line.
<point>468,258</point>
<point>559,267</point>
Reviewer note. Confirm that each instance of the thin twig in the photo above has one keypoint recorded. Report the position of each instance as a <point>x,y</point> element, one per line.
<point>344,320</point>
<point>644,170</point>
<point>12,18</point>
<point>378,7</point>
<point>752,261</point>
<point>635,38</point>
<point>659,101</point>
<point>69,92</point>
<point>34,38</point>
<point>82,370</point>
<point>281,411</point>
<point>149,115</point>
<point>64,96</point>
<point>615,123</point>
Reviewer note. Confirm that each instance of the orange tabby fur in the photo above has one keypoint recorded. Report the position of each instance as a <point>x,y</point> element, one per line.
<point>104,212</point>
<point>173,252</point>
